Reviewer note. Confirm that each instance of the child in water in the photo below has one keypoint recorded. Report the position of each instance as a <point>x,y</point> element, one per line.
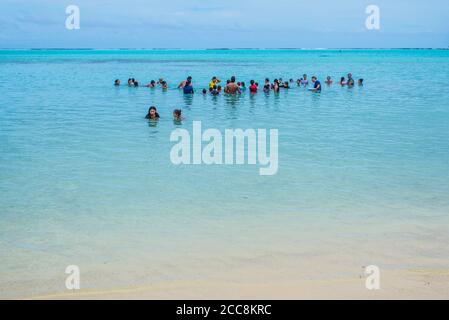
<point>214,91</point>
<point>177,115</point>
<point>152,114</point>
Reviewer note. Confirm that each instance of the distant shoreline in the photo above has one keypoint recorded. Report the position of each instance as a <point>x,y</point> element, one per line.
<point>212,49</point>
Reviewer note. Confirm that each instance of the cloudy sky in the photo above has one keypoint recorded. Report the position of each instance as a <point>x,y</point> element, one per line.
<point>224,24</point>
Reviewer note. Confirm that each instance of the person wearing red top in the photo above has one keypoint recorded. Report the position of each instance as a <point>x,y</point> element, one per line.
<point>253,87</point>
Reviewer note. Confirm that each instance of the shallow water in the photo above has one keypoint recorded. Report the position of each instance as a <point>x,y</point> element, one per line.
<point>86,180</point>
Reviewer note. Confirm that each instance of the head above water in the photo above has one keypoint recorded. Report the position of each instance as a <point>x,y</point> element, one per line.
<point>152,113</point>
<point>233,79</point>
<point>177,113</point>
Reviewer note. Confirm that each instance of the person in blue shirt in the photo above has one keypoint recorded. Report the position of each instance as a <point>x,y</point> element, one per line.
<point>188,88</point>
<point>316,84</point>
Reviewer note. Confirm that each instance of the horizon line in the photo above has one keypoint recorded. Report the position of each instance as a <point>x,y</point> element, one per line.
<point>222,49</point>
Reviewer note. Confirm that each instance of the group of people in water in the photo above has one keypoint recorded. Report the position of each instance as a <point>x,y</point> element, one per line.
<point>232,87</point>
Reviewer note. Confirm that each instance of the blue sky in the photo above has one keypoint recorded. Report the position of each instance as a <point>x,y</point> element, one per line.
<point>224,24</point>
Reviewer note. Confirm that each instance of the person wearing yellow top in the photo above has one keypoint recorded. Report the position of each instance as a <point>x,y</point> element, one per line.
<point>214,82</point>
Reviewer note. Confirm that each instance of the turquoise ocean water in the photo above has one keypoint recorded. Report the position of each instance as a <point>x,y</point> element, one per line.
<point>86,180</point>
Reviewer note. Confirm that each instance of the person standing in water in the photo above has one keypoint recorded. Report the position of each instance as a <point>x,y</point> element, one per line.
<point>253,87</point>
<point>188,88</point>
<point>351,81</point>
<point>232,87</point>
<point>328,81</point>
<point>184,83</point>
<point>117,82</point>
<point>215,81</point>
<point>316,85</point>
<point>276,86</point>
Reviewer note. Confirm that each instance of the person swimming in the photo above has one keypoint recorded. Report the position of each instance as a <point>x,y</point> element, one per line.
<point>342,81</point>
<point>177,115</point>
<point>130,82</point>
<point>360,82</point>
<point>316,85</point>
<point>117,82</point>
<point>253,87</point>
<point>136,83</point>
<point>298,82</point>
<point>328,81</point>
<point>152,114</point>
<point>164,85</point>
<point>204,91</point>
<point>188,88</point>
<point>286,85</point>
